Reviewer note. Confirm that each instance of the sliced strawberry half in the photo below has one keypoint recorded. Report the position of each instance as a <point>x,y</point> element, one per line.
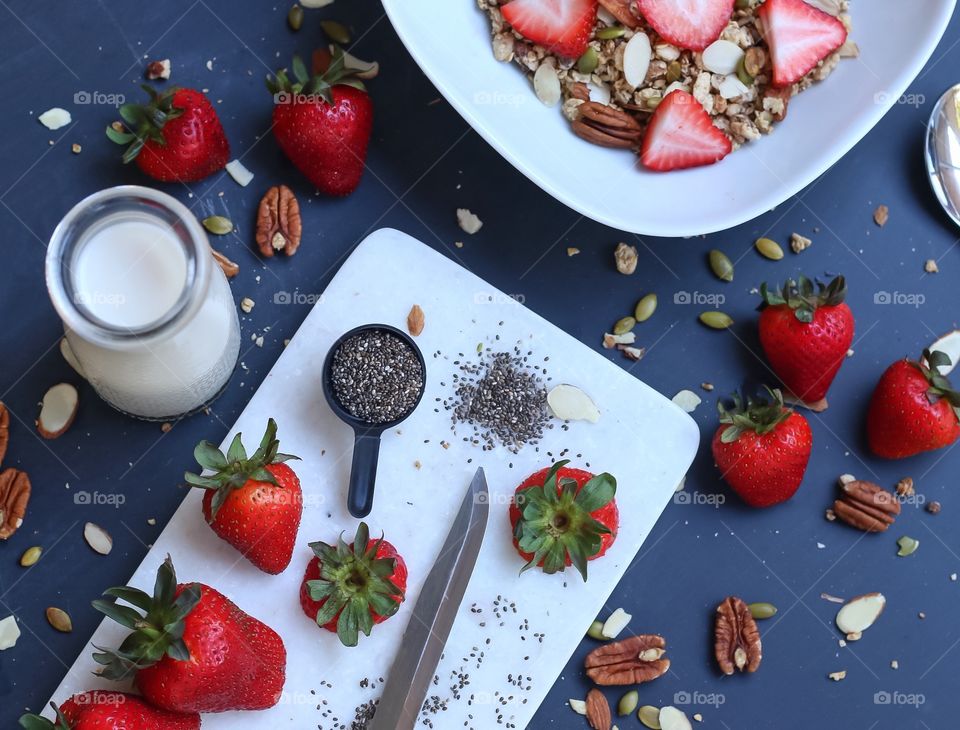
<point>799,37</point>
<point>693,24</point>
<point>681,135</point>
<point>563,27</point>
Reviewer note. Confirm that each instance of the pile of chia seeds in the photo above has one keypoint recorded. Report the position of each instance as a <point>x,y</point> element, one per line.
<point>376,377</point>
<point>503,397</point>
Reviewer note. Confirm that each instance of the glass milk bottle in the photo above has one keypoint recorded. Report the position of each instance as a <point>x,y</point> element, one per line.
<point>148,313</point>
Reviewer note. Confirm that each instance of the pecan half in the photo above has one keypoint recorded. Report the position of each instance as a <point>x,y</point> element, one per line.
<point>598,711</point>
<point>4,430</point>
<point>14,496</point>
<point>621,10</point>
<point>278,222</point>
<point>631,661</point>
<point>736,639</point>
<point>605,126</point>
<point>866,506</point>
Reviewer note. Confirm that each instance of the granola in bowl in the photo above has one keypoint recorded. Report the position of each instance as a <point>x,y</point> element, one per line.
<point>609,66</point>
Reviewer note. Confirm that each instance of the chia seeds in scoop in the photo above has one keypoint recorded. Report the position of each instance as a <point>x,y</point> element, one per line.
<point>376,377</point>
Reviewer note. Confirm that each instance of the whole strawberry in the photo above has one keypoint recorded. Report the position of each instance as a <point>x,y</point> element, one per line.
<point>562,516</point>
<point>175,137</point>
<point>913,409</point>
<point>101,710</point>
<point>191,649</point>
<point>323,124</point>
<point>762,449</point>
<point>349,588</point>
<point>806,331</point>
<point>254,503</point>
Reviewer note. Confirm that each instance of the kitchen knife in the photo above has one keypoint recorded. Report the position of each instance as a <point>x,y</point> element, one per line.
<point>433,616</point>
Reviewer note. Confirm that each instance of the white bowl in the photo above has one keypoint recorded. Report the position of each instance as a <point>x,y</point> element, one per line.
<point>450,39</point>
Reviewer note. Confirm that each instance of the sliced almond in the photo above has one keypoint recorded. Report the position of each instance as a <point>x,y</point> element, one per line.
<point>361,69</point>
<point>97,538</point>
<point>673,719</point>
<point>569,403</point>
<point>838,676</point>
<point>59,619</point>
<point>9,633</point>
<point>415,320</point>
<point>615,624</point>
<point>55,118</point>
<point>858,614</point>
<point>949,345</point>
<point>58,410</point>
<point>722,57</point>
<point>611,341</point>
<point>650,717</point>
<point>241,175</point>
<point>732,87</point>
<point>636,59</point>
<point>687,400</point>
<point>546,84</point>
<point>578,706</point>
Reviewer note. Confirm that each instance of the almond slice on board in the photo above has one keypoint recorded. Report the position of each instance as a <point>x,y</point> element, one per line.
<point>858,614</point>
<point>58,410</point>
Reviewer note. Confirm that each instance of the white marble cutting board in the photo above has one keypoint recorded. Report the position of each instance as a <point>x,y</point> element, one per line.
<point>642,438</point>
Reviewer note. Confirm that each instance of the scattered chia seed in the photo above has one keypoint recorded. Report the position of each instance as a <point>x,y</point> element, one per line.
<point>503,398</point>
<point>376,377</point>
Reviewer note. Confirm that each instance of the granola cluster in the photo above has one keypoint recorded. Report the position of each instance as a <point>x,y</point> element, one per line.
<point>743,117</point>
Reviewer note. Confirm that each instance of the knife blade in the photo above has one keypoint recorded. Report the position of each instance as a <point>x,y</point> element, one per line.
<point>433,616</point>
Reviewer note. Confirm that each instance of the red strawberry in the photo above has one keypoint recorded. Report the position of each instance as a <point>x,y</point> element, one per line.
<point>762,449</point>
<point>693,24</point>
<point>562,27</point>
<point>562,517</point>
<point>913,409</point>
<point>192,650</point>
<point>100,710</point>
<point>254,503</point>
<point>349,588</point>
<point>176,137</point>
<point>806,333</point>
<point>323,124</point>
<point>681,134</point>
<point>799,37</point>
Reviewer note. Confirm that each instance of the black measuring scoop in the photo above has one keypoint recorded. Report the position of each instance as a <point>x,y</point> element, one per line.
<point>366,445</point>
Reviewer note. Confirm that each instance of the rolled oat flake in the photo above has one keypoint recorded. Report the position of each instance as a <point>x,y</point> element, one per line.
<point>376,377</point>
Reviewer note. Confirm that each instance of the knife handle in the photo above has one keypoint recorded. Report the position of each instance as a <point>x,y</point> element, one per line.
<point>363,474</point>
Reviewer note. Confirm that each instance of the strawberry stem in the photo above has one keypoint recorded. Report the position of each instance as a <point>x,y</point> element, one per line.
<point>805,296</point>
<point>755,414</point>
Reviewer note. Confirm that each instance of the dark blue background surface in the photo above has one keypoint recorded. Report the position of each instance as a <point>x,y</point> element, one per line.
<point>424,163</point>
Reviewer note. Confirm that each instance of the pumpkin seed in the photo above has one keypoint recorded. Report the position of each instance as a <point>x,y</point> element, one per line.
<point>745,78</point>
<point>218,225</point>
<point>769,248</point>
<point>674,72</point>
<point>59,619</point>
<point>628,703</point>
<point>721,265</point>
<point>295,17</point>
<point>624,325</point>
<point>588,62</point>
<point>908,546</point>
<point>716,320</point>
<point>337,32</point>
<point>762,610</point>
<point>30,556</point>
<point>596,631</point>
<point>614,31</point>
<point>645,308</point>
<point>650,716</point>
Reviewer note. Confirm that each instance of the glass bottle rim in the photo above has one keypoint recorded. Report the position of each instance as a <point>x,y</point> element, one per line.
<point>71,234</point>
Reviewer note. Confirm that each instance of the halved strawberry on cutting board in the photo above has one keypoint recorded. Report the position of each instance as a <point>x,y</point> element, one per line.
<point>693,24</point>
<point>681,135</point>
<point>563,27</point>
<point>799,37</point>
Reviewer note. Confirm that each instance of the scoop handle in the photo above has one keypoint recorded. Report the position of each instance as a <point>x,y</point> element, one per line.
<point>363,474</point>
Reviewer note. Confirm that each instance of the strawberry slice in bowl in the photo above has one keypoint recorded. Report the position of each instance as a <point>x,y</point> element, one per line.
<point>799,36</point>
<point>692,24</point>
<point>563,27</point>
<point>681,135</point>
